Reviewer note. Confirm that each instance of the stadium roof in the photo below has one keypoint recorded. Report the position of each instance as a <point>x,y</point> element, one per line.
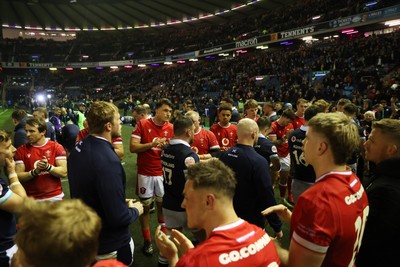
<point>125,14</point>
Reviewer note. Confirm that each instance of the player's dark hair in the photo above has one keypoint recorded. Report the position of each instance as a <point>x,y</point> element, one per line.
<point>311,111</point>
<point>163,101</point>
<point>264,122</point>
<point>289,113</point>
<point>224,107</point>
<point>19,114</point>
<point>34,122</point>
<point>181,125</point>
<point>350,109</point>
<point>228,100</point>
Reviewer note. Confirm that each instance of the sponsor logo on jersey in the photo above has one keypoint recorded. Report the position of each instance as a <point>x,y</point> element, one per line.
<point>354,197</point>
<point>273,148</point>
<point>245,252</point>
<point>293,139</point>
<point>225,141</point>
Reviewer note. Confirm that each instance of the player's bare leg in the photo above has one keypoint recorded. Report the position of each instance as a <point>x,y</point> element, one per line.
<point>283,179</point>
<point>145,223</point>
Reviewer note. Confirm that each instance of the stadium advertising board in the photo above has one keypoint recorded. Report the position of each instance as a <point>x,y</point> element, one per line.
<point>296,32</point>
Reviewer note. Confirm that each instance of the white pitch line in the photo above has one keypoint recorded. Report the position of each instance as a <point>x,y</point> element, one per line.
<point>3,112</point>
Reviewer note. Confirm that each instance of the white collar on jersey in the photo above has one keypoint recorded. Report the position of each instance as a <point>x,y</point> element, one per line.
<point>178,141</point>
<point>326,174</point>
<point>228,226</point>
<point>304,128</point>
<point>261,135</point>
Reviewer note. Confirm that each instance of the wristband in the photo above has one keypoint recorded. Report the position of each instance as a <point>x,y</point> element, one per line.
<point>14,184</point>
<point>49,167</point>
<point>33,173</point>
<point>12,175</point>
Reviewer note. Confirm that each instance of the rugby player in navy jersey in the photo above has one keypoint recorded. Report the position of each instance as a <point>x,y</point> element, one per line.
<point>267,148</point>
<point>303,173</point>
<point>175,159</point>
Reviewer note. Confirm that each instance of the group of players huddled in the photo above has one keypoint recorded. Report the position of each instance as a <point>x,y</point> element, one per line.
<point>217,183</point>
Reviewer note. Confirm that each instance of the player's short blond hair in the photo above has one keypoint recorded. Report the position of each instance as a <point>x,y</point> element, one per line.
<point>322,104</point>
<point>341,134</point>
<point>250,103</point>
<point>43,111</point>
<point>193,115</point>
<point>100,113</point>
<point>215,175</point>
<point>63,233</point>
<point>4,136</point>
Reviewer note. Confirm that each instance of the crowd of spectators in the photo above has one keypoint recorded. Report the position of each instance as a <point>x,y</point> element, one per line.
<point>134,44</point>
<point>358,69</point>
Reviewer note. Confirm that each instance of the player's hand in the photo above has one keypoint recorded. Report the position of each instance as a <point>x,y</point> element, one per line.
<point>10,165</point>
<point>162,142</point>
<point>155,142</point>
<point>183,243</point>
<point>282,211</point>
<point>166,246</point>
<point>43,163</point>
<point>283,254</point>
<point>137,205</point>
<point>279,235</point>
